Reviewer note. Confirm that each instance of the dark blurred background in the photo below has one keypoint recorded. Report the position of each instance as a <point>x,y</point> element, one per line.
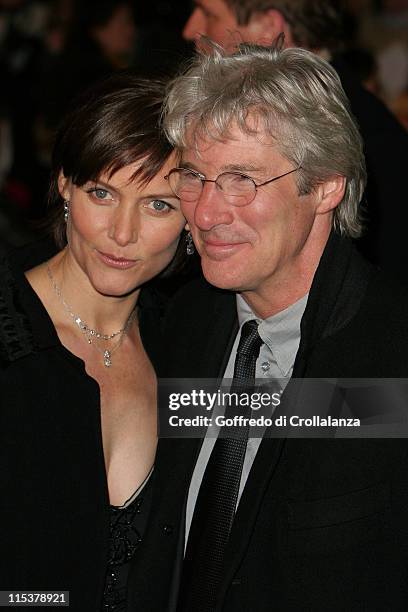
<point>51,49</point>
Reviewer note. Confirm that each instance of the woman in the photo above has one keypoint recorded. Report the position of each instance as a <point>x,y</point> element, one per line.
<point>78,407</point>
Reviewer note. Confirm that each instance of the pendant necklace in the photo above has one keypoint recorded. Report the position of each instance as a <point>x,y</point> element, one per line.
<point>89,333</point>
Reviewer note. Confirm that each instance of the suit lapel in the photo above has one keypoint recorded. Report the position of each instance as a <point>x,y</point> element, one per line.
<point>200,351</point>
<point>214,342</point>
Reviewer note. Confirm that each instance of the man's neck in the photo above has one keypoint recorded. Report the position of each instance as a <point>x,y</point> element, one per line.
<point>276,294</point>
<point>264,307</point>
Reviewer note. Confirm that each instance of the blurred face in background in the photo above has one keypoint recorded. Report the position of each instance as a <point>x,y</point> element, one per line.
<point>117,36</point>
<point>214,18</point>
<point>10,4</point>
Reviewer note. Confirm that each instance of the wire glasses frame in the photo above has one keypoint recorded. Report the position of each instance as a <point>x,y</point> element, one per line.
<point>238,188</point>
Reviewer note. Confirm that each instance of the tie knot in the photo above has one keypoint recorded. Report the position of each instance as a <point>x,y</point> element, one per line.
<point>250,341</point>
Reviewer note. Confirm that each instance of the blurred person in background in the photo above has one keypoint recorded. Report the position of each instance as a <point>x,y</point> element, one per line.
<point>99,42</point>
<point>77,346</point>
<point>22,27</point>
<point>400,108</point>
<point>384,30</point>
<point>318,25</point>
<point>159,47</point>
<point>79,46</point>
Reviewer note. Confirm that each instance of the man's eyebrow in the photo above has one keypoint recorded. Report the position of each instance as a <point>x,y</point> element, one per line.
<point>247,167</point>
<point>244,168</point>
<point>188,166</point>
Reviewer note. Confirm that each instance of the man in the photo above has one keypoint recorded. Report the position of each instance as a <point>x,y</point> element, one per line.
<point>313,24</point>
<point>270,178</point>
<point>318,25</point>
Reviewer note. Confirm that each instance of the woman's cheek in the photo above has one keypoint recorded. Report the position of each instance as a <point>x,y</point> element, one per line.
<point>89,225</point>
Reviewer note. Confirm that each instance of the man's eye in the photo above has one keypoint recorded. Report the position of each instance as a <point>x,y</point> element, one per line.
<point>159,206</point>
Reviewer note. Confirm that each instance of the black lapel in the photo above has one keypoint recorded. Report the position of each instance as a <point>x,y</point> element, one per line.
<point>199,331</point>
<point>217,337</point>
<point>199,328</point>
<point>337,290</point>
<point>202,352</point>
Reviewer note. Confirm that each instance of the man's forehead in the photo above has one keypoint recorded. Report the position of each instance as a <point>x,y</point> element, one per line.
<point>202,138</point>
<point>242,166</point>
<point>241,153</point>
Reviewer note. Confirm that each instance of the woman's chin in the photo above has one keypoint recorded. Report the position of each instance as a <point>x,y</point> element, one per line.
<point>115,289</point>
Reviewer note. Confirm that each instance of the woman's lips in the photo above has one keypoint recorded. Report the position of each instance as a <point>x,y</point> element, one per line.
<point>116,262</point>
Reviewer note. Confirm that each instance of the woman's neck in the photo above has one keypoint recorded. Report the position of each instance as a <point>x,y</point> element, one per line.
<point>72,291</point>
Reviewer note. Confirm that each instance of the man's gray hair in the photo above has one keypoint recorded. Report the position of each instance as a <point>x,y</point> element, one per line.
<point>291,96</point>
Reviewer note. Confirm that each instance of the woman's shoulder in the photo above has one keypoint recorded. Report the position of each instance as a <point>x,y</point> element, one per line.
<point>16,337</point>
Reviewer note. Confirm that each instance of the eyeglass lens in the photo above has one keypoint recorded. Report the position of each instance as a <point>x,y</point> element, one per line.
<point>238,189</point>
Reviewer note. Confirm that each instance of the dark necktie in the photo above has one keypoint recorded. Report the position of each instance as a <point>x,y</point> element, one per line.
<point>217,498</point>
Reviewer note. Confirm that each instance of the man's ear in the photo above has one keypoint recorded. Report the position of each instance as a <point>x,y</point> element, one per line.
<point>265,27</point>
<point>330,194</point>
<point>64,186</point>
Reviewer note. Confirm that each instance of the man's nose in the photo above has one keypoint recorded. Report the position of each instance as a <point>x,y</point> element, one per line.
<point>212,209</point>
<point>195,25</point>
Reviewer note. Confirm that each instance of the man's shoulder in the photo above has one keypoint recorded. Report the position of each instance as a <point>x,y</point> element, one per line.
<point>198,301</point>
<point>198,326</point>
<point>373,342</point>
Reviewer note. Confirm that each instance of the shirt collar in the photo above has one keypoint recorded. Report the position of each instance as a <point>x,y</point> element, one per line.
<point>280,332</point>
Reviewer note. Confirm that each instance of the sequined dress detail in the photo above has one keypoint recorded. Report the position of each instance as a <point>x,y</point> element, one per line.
<point>127,525</point>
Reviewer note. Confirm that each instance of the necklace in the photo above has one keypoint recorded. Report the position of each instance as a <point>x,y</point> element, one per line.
<point>89,333</point>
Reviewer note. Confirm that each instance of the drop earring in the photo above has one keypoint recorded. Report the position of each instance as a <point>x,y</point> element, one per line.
<point>66,210</point>
<point>190,244</point>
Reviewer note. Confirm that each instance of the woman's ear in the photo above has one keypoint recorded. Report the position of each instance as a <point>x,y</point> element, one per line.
<point>64,186</point>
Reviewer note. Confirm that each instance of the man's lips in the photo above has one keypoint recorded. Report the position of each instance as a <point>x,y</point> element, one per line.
<point>220,243</point>
<point>116,262</point>
<point>221,249</point>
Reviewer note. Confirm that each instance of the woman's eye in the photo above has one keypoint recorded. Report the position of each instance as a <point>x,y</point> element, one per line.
<point>101,194</point>
<point>159,206</point>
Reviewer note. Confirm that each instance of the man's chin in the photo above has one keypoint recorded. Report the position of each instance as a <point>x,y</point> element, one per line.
<point>220,276</point>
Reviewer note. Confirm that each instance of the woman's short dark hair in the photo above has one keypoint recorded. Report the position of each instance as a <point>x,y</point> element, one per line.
<point>112,125</point>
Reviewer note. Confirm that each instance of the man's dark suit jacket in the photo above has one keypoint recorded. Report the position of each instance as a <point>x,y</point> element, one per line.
<point>322,524</point>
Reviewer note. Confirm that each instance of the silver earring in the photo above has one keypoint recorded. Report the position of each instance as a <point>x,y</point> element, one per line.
<point>190,244</point>
<point>66,210</point>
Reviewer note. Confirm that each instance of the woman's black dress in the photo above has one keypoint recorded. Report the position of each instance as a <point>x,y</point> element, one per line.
<point>58,531</point>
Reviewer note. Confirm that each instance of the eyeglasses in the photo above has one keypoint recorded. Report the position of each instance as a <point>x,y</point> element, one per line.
<point>238,189</point>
